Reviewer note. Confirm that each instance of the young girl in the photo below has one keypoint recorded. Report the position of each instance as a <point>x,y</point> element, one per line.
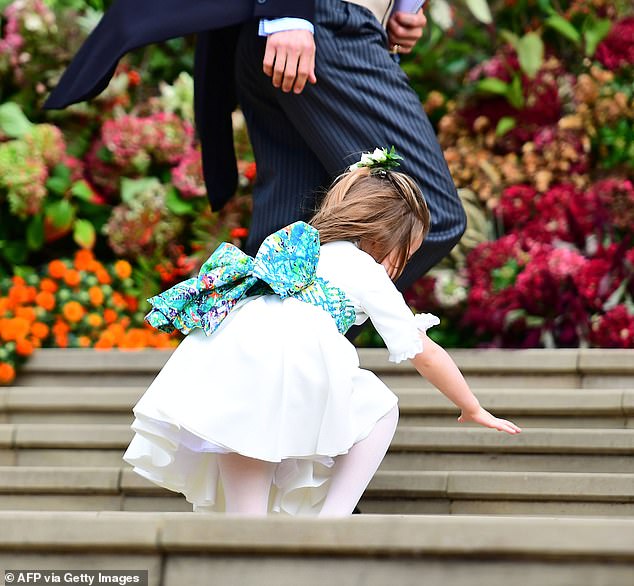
<point>263,407</point>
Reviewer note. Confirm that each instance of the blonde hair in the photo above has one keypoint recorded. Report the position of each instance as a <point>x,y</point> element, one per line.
<point>380,210</point>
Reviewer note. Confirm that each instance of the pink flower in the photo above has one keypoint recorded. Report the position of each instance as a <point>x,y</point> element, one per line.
<point>187,177</point>
<point>172,137</point>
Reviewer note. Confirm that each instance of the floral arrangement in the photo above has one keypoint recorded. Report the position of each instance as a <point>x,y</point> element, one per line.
<point>78,303</point>
<point>547,145</point>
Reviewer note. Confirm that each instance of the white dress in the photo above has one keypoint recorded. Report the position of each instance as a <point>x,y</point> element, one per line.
<point>278,382</point>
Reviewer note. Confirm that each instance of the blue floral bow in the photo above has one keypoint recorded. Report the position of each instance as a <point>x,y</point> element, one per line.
<point>285,264</point>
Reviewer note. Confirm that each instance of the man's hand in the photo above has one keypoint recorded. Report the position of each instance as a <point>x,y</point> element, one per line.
<point>404,29</point>
<point>289,59</point>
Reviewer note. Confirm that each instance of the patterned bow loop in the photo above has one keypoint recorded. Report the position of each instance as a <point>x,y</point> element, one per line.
<point>286,264</point>
<point>287,260</point>
<point>204,301</point>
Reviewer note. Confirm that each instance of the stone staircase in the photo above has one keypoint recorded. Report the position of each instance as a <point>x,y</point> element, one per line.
<point>450,503</point>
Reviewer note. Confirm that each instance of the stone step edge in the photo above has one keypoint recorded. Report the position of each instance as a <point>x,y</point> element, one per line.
<point>482,361</point>
<point>411,400</point>
<point>551,486</point>
<point>406,438</point>
<point>358,535</point>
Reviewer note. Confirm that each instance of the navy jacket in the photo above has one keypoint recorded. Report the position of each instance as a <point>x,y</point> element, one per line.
<point>129,24</point>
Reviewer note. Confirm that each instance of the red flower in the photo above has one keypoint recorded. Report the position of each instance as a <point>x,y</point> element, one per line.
<point>617,49</point>
<point>250,171</point>
<point>239,233</point>
<point>614,329</point>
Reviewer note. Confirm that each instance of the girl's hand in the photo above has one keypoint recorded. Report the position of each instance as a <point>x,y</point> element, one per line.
<point>483,417</point>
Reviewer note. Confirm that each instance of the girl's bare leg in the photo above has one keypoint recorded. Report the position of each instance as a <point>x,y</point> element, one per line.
<point>353,471</point>
<point>246,482</point>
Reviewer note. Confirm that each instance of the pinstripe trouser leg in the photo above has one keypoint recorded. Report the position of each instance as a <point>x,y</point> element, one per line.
<point>362,99</point>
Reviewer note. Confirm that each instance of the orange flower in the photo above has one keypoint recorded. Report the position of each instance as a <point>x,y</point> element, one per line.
<point>48,285</point>
<point>18,281</point>
<point>83,342</point>
<point>61,328</point>
<point>84,260</point>
<point>24,347</point>
<point>73,311</point>
<point>95,320</point>
<point>110,316</point>
<point>39,330</point>
<point>18,295</point>
<point>118,300</point>
<point>162,340</point>
<point>61,341</point>
<point>45,300</point>
<point>106,340</point>
<point>117,330</point>
<point>122,269</point>
<point>4,305</point>
<point>7,373</point>
<point>96,296</point>
<point>72,278</point>
<point>134,338</point>
<point>103,277</point>
<point>14,329</point>
<point>57,269</point>
<point>31,292</point>
<point>28,313</point>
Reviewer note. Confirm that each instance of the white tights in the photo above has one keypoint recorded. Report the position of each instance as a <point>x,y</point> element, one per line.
<point>247,481</point>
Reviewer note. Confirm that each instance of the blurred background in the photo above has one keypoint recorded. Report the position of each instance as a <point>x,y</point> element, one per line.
<point>103,204</point>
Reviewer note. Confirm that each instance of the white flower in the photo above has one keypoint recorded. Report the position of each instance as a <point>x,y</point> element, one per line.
<point>449,287</point>
<point>369,159</point>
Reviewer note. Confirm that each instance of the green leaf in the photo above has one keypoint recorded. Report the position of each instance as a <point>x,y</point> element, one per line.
<point>176,204</point>
<point>84,233</point>
<point>82,190</point>
<point>505,124</point>
<point>530,52</point>
<point>515,93</point>
<point>61,171</point>
<point>564,28</point>
<point>35,232</point>
<point>61,214</point>
<point>130,188</point>
<point>546,6</point>
<point>595,31</point>
<point>492,85</point>
<point>480,9</point>
<point>57,185</point>
<point>510,37</point>
<point>13,122</point>
<point>14,252</point>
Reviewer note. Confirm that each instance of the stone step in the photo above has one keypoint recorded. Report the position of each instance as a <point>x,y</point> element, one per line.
<point>428,492</point>
<point>598,408</point>
<point>374,550</point>
<point>587,368</point>
<point>413,448</point>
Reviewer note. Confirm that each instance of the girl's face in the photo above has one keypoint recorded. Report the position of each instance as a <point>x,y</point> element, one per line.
<point>391,260</point>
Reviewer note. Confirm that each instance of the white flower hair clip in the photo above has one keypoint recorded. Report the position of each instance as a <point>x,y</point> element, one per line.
<point>380,159</point>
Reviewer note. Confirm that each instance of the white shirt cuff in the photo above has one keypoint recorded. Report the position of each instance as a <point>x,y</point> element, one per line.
<point>277,25</point>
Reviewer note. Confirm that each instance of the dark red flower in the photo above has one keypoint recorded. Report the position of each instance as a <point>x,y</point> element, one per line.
<point>614,329</point>
<point>617,49</point>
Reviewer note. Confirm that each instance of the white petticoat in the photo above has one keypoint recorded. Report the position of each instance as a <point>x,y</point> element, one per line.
<point>275,382</point>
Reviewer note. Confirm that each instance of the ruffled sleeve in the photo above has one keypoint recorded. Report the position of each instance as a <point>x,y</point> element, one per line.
<point>391,316</point>
<point>375,295</point>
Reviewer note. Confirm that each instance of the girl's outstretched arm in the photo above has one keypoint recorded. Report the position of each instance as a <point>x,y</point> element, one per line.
<point>441,371</point>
